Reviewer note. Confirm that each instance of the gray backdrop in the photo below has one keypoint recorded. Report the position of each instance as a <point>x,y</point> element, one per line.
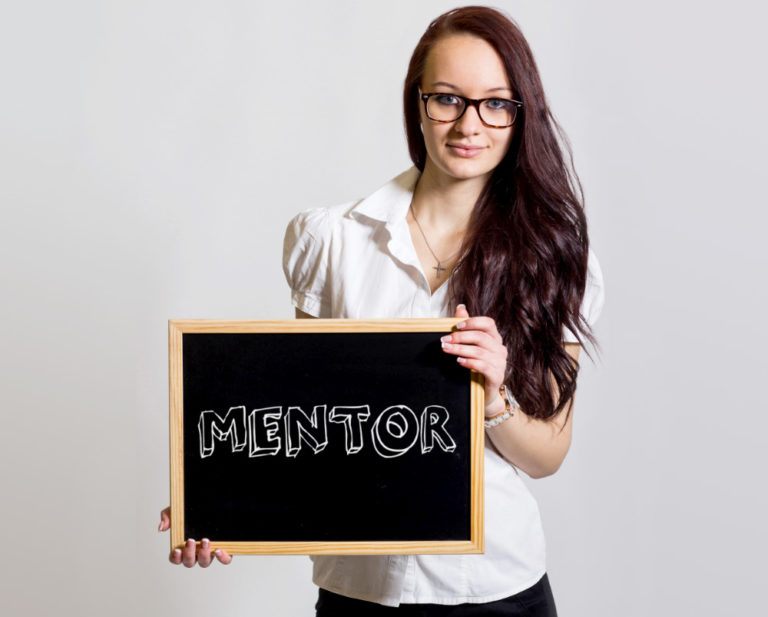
<point>151,153</point>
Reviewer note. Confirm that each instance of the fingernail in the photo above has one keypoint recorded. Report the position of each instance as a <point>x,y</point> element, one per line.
<point>460,360</point>
<point>461,306</point>
<point>177,552</point>
<point>192,540</point>
<point>205,543</point>
<point>217,551</point>
<point>445,345</point>
<point>446,338</point>
<point>463,324</point>
<point>160,527</point>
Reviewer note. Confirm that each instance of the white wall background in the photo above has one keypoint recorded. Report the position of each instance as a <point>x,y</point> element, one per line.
<point>151,153</point>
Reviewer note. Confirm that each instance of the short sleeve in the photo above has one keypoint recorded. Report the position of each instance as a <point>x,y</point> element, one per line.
<point>594,296</point>
<point>305,261</point>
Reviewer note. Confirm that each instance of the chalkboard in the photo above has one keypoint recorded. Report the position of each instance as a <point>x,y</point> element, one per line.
<point>324,436</point>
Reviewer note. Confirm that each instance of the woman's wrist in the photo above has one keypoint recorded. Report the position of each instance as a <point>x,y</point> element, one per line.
<point>510,406</point>
<point>497,406</point>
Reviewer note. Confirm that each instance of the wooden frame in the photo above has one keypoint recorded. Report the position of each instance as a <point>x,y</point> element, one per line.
<point>176,330</point>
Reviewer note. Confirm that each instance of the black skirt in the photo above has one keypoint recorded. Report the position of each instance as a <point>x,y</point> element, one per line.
<point>536,601</point>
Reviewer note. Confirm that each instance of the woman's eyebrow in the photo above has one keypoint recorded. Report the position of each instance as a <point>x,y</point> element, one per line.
<point>448,85</point>
<point>444,83</point>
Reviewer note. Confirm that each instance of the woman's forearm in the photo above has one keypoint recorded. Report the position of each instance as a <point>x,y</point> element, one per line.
<point>538,447</point>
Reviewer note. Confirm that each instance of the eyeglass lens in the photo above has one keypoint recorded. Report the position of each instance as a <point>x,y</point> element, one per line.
<point>447,107</point>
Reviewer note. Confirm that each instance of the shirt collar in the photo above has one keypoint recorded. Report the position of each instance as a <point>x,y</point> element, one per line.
<point>390,203</point>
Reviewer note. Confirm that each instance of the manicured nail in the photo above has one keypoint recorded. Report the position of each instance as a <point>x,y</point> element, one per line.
<point>461,306</point>
<point>463,324</point>
<point>177,552</point>
<point>461,360</point>
<point>446,345</point>
<point>160,526</point>
<point>205,543</point>
<point>218,552</point>
<point>190,540</point>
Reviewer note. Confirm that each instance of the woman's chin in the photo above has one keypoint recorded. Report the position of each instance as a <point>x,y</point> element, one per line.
<point>467,170</point>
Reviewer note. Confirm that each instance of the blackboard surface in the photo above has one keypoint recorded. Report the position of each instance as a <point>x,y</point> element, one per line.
<point>326,437</point>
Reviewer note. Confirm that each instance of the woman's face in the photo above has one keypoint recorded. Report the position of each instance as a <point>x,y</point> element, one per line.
<point>464,149</point>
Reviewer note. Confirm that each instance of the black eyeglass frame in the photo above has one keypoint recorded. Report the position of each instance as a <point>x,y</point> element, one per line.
<point>467,102</point>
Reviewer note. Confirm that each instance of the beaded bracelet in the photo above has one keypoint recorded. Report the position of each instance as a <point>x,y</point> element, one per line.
<point>510,404</point>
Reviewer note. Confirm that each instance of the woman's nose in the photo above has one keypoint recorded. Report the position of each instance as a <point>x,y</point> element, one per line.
<point>469,123</point>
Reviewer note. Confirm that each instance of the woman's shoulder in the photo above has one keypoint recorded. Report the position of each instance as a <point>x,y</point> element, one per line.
<point>352,218</point>
<point>312,234</point>
<point>313,242</point>
<point>378,206</point>
<point>318,222</point>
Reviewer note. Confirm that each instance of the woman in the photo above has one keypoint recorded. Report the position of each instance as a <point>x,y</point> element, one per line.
<point>486,226</point>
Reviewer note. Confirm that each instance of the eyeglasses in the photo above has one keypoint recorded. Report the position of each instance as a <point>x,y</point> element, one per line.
<point>494,113</point>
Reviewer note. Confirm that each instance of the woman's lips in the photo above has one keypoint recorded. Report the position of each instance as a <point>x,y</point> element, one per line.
<point>466,151</point>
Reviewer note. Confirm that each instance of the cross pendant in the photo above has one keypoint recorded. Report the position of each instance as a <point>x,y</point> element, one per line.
<point>439,269</point>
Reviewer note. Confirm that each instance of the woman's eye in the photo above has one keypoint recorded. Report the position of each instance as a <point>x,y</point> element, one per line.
<point>497,104</point>
<point>447,99</point>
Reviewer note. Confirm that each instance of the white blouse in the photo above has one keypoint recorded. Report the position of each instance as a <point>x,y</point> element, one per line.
<point>357,261</point>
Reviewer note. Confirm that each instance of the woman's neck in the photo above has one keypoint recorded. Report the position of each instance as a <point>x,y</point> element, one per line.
<point>443,203</point>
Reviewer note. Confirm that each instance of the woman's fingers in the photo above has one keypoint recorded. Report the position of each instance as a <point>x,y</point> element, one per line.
<point>493,358</point>
<point>165,520</point>
<point>481,366</point>
<point>188,555</point>
<point>494,374</point>
<point>478,346</point>
<point>223,556</point>
<point>204,554</point>
<point>485,324</point>
<point>461,312</point>
<point>191,554</point>
<point>491,364</point>
<point>475,337</point>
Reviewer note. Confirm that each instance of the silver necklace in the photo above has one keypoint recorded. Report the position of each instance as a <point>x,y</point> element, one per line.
<point>439,267</point>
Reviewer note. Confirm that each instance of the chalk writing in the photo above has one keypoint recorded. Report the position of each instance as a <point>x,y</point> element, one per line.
<point>263,428</point>
<point>433,421</point>
<point>352,418</point>
<point>395,431</point>
<point>298,428</point>
<point>212,426</point>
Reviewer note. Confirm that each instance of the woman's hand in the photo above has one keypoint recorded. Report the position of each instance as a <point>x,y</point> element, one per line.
<point>191,555</point>
<point>479,347</point>
<point>536,446</point>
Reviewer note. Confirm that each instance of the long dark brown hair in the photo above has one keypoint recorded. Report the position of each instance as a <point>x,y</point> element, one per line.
<point>526,247</point>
